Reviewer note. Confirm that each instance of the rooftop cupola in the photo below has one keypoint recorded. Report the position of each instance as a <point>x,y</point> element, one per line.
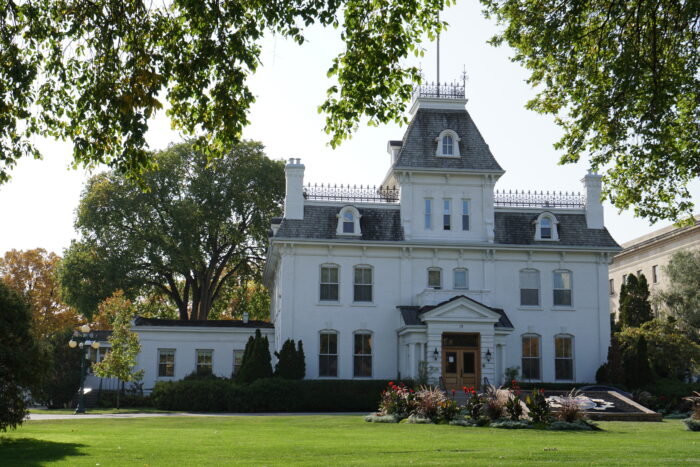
<point>443,96</point>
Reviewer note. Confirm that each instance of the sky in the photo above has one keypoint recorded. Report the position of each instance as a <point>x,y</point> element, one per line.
<point>38,204</point>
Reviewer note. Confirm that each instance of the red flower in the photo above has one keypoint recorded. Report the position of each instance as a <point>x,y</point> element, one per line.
<point>453,392</point>
<point>391,383</point>
<point>541,391</point>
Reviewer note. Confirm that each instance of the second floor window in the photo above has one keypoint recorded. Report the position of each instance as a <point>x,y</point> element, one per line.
<point>329,283</point>
<point>562,288</point>
<point>428,213</point>
<point>363,284</point>
<point>434,278</point>
<point>529,287</point>
<point>465,214</point>
<point>446,214</point>
<point>461,279</point>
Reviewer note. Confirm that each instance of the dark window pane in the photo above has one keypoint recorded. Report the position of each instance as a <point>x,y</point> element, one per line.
<point>465,222</point>
<point>460,340</point>
<point>328,365</point>
<point>363,366</point>
<point>469,363</point>
<point>446,222</point>
<point>363,293</point>
<point>562,297</point>
<point>451,362</point>
<point>529,297</point>
<point>564,368</point>
<point>329,291</point>
<point>531,368</point>
<point>348,227</point>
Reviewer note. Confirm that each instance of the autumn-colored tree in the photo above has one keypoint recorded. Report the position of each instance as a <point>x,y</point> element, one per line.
<point>120,361</point>
<point>32,274</point>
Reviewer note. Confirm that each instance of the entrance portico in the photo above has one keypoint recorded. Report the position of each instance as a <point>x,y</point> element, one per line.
<point>462,340</point>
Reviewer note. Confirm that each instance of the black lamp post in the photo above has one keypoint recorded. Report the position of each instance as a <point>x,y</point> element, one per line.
<point>83,339</point>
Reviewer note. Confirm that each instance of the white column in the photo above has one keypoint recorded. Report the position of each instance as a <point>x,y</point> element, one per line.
<point>411,360</point>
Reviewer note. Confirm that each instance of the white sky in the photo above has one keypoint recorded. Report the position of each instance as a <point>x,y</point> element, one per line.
<point>38,204</point>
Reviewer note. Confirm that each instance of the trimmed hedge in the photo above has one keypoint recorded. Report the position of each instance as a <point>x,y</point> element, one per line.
<point>268,395</point>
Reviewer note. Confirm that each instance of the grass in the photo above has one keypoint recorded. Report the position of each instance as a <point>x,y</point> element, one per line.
<point>335,440</point>
<point>96,411</point>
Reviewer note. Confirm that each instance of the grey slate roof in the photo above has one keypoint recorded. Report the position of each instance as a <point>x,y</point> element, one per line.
<point>517,228</point>
<point>214,323</point>
<point>419,145</point>
<point>411,315</point>
<point>321,222</point>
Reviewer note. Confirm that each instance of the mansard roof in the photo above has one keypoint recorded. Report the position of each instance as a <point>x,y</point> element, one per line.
<point>321,222</point>
<point>411,315</point>
<point>518,228</point>
<point>210,323</point>
<point>419,144</point>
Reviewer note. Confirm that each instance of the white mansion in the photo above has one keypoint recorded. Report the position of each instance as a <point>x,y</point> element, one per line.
<point>439,275</point>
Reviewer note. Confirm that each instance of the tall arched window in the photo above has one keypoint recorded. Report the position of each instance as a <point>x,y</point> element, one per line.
<point>546,227</point>
<point>362,354</point>
<point>447,144</point>
<point>564,357</point>
<point>328,354</point>
<point>531,355</point>
<point>529,287</point>
<point>348,221</point>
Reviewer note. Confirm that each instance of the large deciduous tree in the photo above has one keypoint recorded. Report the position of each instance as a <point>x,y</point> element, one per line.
<point>185,231</point>
<point>32,274</point>
<point>682,294</point>
<point>622,79</point>
<point>96,71</point>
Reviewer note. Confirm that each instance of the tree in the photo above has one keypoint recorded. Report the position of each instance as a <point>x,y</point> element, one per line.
<point>635,308</point>
<point>120,361</point>
<point>198,224</point>
<point>300,361</point>
<point>636,362</point>
<point>621,79</point>
<point>242,295</point>
<point>682,294</point>
<point>256,362</point>
<point>63,375</point>
<point>96,72</point>
<point>32,274</point>
<point>612,371</point>
<point>22,361</point>
<point>290,361</point>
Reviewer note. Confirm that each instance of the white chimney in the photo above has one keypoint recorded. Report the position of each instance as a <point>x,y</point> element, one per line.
<point>294,198</point>
<point>594,205</point>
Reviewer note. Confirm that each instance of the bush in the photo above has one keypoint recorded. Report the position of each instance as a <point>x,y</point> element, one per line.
<point>201,373</point>
<point>668,395</point>
<point>570,411</point>
<point>290,361</point>
<point>475,403</point>
<point>493,406</point>
<point>513,407</point>
<point>108,399</point>
<point>257,362</point>
<point>692,424</point>
<point>538,406</point>
<point>268,395</point>
<point>579,425</point>
<point>397,399</point>
<point>374,418</point>
<point>511,424</point>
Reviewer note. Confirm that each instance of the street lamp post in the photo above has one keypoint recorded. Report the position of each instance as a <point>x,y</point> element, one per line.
<point>83,339</point>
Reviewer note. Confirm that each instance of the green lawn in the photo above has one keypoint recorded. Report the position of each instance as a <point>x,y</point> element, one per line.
<point>96,411</point>
<point>335,440</point>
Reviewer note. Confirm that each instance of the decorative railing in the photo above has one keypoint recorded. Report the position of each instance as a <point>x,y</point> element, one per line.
<point>362,193</point>
<point>541,199</point>
<point>440,91</point>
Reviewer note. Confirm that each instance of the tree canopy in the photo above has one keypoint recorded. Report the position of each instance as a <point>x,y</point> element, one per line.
<point>623,81</point>
<point>185,231</point>
<point>681,296</point>
<point>96,72</point>
<point>635,308</point>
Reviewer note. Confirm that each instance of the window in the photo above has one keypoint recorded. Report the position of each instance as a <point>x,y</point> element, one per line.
<point>639,272</point>
<point>655,274</point>
<point>612,286</point>
<point>446,214</point>
<point>447,145</point>
<point>348,222</point>
<point>546,227</point>
<point>529,287</point>
<point>329,283</point>
<point>624,279</point>
<point>428,213</point>
<point>562,288</point>
<point>363,284</point>
<point>237,360</point>
<point>434,278</point>
<point>465,214</point>
<point>531,357</point>
<point>564,357</point>
<point>204,360</point>
<point>461,279</point>
<point>166,362</point>
<point>363,355</point>
<point>328,355</point>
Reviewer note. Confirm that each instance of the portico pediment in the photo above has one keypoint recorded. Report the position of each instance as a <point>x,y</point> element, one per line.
<point>460,309</point>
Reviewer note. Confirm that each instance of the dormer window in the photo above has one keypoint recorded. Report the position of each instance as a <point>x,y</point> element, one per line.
<point>349,222</point>
<point>447,144</point>
<point>546,227</point>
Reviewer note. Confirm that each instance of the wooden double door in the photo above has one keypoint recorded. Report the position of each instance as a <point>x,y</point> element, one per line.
<point>461,360</point>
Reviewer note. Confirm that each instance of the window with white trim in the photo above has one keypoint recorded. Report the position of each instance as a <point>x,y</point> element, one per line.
<point>363,284</point>
<point>428,214</point>
<point>461,278</point>
<point>166,362</point>
<point>531,357</point>
<point>562,288</point>
<point>447,144</point>
<point>204,360</point>
<point>237,360</point>
<point>434,278</point>
<point>349,222</point>
<point>564,357</point>
<point>529,287</point>
<point>465,214</point>
<point>362,357</point>
<point>546,227</point>
<point>328,354</point>
<point>446,214</point>
<point>329,283</point>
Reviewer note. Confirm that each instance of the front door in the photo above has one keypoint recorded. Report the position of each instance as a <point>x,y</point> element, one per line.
<point>460,360</point>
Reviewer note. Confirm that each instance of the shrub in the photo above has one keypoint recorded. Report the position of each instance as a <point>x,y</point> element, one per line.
<point>397,399</point>
<point>475,403</point>
<point>201,373</point>
<point>695,400</point>
<point>538,406</point>
<point>513,407</point>
<point>570,411</point>
<point>290,361</point>
<point>692,424</point>
<point>108,399</point>
<point>256,362</point>
<point>579,425</point>
<point>493,405</point>
<point>427,402</point>
<point>374,418</point>
<point>511,424</point>
<point>511,373</point>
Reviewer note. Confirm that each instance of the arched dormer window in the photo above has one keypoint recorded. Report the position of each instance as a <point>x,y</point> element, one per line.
<point>349,221</point>
<point>447,144</point>
<point>546,227</point>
